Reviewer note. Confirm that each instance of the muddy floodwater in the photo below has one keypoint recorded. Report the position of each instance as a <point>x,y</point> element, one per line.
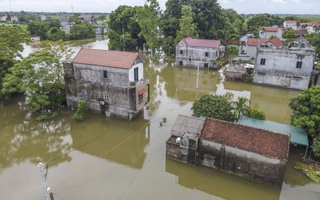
<point>110,159</point>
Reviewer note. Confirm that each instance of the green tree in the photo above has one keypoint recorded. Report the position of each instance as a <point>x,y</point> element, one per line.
<point>55,34</point>
<point>187,27</point>
<point>306,111</point>
<point>39,28</point>
<point>169,23</point>
<point>289,34</point>
<point>82,31</point>
<point>81,110</point>
<point>263,20</point>
<point>115,41</point>
<point>148,20</point>
<point>316,147</point>
<point>11,40</point>
<point>40,77</point>
<point>124,33</point>
<point>213,106</point>
<point>314,39</point>
<point>210,20</point>
<point>232,51</point>
<point>240,106</point>
<point>55,23</point>
<point>75,18</point>
<point>306,114</point>
<point>254,113</point>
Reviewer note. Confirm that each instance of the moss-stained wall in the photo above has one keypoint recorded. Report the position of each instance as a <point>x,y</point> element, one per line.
<point>243,163</point>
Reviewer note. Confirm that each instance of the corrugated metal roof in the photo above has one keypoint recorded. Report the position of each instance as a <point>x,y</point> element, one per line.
<point>187,124</point>
<point>298,135</point>
<point>119,59</point>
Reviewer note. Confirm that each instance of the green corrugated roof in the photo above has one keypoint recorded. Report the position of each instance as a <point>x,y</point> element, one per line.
<point>298,135</point>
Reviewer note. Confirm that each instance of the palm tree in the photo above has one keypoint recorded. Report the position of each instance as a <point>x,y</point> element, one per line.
<point>241,106</point>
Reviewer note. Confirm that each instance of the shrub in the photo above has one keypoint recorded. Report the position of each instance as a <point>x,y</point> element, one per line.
<point>82,108</point>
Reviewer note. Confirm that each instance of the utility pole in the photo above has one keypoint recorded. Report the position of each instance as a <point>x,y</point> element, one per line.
<point>198,76</point>
<point>43,181</point>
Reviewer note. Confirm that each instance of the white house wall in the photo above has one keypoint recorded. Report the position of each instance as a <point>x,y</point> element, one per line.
<point>196,56</point>
<point>92,74</point>
<point>244,163</point>
<point>280,68</point>
<point>140,71</point>
<point>252,51</point>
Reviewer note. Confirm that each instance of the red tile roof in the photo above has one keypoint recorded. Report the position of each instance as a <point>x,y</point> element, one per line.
<point>201,42</point>
<point>271,29</point>
<point>293,22</point>
<point>233,42</point>
<point>300,32</point>
<point>119,59</point>
<point>255,41</point>
<point>310,24</point>
<point>263,142</point>
<point>276,42</point>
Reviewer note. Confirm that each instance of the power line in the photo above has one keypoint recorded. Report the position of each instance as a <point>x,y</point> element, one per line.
<point>76,148</point>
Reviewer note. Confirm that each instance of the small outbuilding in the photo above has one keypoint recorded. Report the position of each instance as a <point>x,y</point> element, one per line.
<point>257,154</point>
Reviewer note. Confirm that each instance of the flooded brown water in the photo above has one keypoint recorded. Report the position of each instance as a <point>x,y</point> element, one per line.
<point>108,159</point>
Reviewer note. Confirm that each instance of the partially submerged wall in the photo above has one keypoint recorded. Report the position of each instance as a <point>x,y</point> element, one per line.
<point>279,67</point>
<point>243,163</point>
<point>107,93</point>
<point>197,56</point>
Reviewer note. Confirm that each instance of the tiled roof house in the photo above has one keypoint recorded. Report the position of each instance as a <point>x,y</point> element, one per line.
<point>259,154</point>
<point>269,32</point>
<point>111,82</point>
<point>198,52</point>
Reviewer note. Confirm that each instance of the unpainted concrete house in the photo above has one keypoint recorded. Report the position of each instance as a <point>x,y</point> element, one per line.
<point>198,52</point>
<point>258,154</point>
<point>289,67</point>
<point>111,82</point>
<point>252,44</point>
<point>270,32</point>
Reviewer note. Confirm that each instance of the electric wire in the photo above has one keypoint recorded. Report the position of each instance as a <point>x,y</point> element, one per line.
<point>78,147</point>
<point>107,152</point>
<point>110,150</point>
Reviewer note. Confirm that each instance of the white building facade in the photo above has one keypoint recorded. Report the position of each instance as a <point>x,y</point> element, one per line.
<point>198,52</point>
<point>289,67</point>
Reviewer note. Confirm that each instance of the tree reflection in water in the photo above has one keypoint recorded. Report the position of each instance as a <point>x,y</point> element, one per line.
<point>25,139</point>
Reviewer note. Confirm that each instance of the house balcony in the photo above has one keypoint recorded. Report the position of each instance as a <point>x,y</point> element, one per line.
<point>141,82</point>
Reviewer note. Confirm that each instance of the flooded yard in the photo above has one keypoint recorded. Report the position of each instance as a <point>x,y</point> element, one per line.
<point>103,158</point>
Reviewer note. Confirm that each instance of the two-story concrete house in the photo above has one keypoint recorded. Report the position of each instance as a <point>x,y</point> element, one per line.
<point>87,18</point>
<point>250,49</point>
<point>66,24</point>
<point>311,27</point>
<point>270,32</point>
<point>289,66</point>
<point>3,17</point>
<point>111,82</point>
<point>14,19</point>
<point>290,24</point>
<point>198,52</point>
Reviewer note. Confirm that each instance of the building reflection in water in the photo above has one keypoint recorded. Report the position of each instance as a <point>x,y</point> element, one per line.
<point>218,183</point>
<point>114,140</point>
